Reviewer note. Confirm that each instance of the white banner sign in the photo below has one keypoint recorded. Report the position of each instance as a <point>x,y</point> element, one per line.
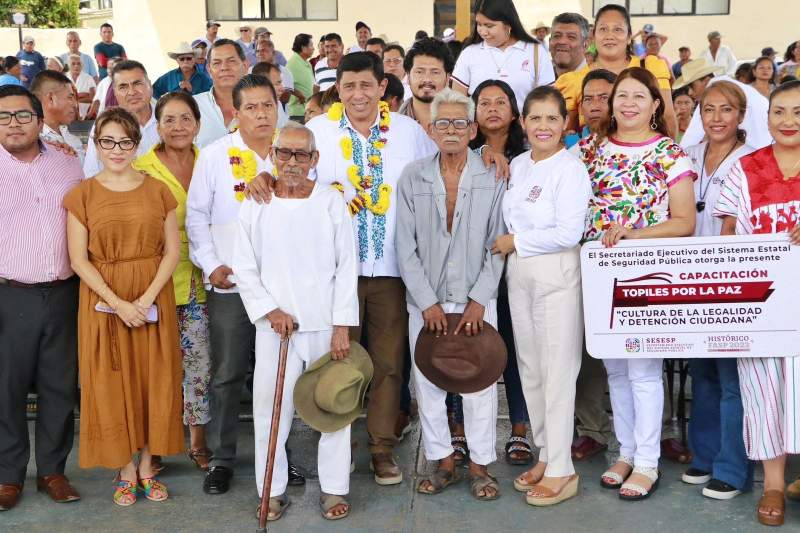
<point>692,297</point>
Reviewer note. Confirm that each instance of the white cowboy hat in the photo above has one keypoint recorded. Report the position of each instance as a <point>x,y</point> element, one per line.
<point>183,50</point>
<point>696,70</point>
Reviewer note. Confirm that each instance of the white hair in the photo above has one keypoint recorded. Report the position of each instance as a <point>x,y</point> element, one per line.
<point>449,96</point>
<point>296,126</point>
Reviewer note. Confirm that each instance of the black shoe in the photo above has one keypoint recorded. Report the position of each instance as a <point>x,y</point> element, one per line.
<point>218,480</point>
<point>295,477</point>
<point>719,490</point>
<point>695,476</point>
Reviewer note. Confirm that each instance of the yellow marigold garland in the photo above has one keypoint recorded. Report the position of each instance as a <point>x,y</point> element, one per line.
<point>244,168</point>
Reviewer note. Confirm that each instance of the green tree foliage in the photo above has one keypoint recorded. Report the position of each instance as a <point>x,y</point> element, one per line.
<point>42,13</point>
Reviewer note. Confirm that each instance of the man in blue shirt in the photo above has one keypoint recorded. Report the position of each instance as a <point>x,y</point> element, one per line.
<point>32,62</point>
<point>187,77</point>
<point>74,45</point>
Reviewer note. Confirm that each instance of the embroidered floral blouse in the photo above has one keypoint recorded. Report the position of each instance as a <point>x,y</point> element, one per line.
<point>631,181</point>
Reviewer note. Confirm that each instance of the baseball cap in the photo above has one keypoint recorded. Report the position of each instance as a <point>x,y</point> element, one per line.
<point>714,35</point>
<point>28,39</point>
<point>199,42</point>
<point>262,29</point>
<point>768,51</point>
<point>212,23</point>
<point>361,24</point>
<point>648,28</point>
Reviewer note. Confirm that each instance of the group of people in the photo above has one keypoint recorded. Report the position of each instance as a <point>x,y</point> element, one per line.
<point>200,230</point>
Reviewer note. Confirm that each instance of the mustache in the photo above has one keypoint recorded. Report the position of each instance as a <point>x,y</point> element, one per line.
<point>449,138</point>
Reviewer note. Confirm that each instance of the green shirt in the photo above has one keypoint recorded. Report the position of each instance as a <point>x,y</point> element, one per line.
<point>303,82</point>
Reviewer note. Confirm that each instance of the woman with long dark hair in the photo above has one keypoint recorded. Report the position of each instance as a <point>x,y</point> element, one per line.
<point>612,35</point>
<point>642,184</point>
<point>499,48</point>
<point>762,77</point>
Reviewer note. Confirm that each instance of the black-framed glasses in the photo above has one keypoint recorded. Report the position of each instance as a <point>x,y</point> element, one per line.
<point>442,124</point>
<point>301,156</point>
<point>109,144</point>
<point>23,117</point>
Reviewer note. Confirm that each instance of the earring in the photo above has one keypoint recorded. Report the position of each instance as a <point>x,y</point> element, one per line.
<point>613,121</point>
<point>653,125</point>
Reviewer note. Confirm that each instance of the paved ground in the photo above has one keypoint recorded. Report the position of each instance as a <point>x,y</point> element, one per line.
<point>674,508</point>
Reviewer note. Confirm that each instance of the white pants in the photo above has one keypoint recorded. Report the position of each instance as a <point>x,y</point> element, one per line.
<point>637,402</point>
<point>480,408</point>
<point>544,296</point>
<point>333,455</point>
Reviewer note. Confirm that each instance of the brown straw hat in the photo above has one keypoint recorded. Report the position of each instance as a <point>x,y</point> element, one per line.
<point>457,363</point>
<point>329,394</point>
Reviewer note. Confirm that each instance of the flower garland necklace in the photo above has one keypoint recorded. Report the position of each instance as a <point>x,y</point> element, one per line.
<point>365,174</point>
<point>244,167</point>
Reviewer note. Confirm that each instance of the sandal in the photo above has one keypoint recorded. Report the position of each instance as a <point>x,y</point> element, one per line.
<point>156,464</point>
<point>124,491</point>
<point>771,500</point>
<point>276,506</point>
<point>461,449</point>
<point>520,446</point>
<point>478,483</point>
<point>524,482</point>
<point>150,485</point>
<point>328,501</point>
<point>793,490</point>
<point>439,480</point>
<point>616,479</point>
<point>674,450</point>
<point>200,457</point>
<point>541,496</point>
<point>642,493</point>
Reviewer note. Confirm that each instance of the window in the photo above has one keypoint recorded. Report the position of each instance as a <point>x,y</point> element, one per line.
<point>670,7</point>
<point>272,9</point>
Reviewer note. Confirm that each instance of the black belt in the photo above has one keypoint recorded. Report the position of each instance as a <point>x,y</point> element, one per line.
<point>43,285</point>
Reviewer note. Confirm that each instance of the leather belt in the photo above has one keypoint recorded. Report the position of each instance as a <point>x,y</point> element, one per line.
<point>43,285</point>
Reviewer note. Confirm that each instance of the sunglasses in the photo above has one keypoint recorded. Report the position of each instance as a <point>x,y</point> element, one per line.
<point>301,156</point>
<point>186,58</point>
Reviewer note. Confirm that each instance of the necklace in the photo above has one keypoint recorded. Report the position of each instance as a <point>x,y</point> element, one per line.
<point>701,203</point>
<point>503,64</point>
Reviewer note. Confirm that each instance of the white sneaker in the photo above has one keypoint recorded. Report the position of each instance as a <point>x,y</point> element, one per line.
<point>719,490</point>
<point>693,476</point>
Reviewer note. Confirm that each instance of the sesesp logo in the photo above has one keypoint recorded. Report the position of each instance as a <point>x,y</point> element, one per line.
<point>633,345</point>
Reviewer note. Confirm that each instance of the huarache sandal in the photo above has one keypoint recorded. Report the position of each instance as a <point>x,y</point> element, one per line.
<point>200,457</point>
<point>525,481</point>
<point>328,502</point>
<point>479,483</point>
<point>639,492</point>
<point>124,491</point>
<point>518,451</point>
<point>461,449</point>
<point>276,507</point>
<point>614,480</point>
<point>438,481</point>
<point>772,500</point>
<point>153,489</point>
<point>541,496</point>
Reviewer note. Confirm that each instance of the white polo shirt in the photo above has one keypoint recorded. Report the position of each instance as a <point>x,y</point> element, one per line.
<point>514,65</point>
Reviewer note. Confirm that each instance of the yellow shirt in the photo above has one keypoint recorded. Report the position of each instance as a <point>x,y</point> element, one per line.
<point>570,83</point>
<point>186,270</point>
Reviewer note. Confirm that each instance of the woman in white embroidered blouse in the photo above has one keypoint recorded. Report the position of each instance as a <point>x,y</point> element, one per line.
<point>545,211</point>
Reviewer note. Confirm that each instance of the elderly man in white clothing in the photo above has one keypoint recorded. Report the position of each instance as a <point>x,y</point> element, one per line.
<point>295,264</point>
<point>216,193</point>
<point>448,214</point>
<point>135,94</point>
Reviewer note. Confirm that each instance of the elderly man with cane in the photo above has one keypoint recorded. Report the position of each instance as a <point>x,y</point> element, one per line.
<point>295,263</point>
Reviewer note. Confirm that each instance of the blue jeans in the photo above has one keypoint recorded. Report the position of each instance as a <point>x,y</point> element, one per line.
<point>715,428</point>
<point>517,410</point>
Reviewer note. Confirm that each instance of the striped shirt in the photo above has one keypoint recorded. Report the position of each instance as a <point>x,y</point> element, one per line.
<point>324,76</point>
<point>33,223</point>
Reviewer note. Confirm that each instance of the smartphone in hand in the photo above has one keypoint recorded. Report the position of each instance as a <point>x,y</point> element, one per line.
<point>151,318</point>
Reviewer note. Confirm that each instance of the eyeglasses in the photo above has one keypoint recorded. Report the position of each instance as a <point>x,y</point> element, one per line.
<point>442,124</point>
<point>392,61</point>
<point>185,58</point>
<point>244,30</point>
<point>301,156</point>
<point>23,117</point>
<point>109,144</point>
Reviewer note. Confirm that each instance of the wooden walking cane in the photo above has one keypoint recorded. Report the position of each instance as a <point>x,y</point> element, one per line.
<point>273,431</point>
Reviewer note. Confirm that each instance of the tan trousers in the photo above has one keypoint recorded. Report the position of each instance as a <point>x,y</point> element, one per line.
<point>593,421</point>
<point>383,317</point>
<point>544,294</point>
